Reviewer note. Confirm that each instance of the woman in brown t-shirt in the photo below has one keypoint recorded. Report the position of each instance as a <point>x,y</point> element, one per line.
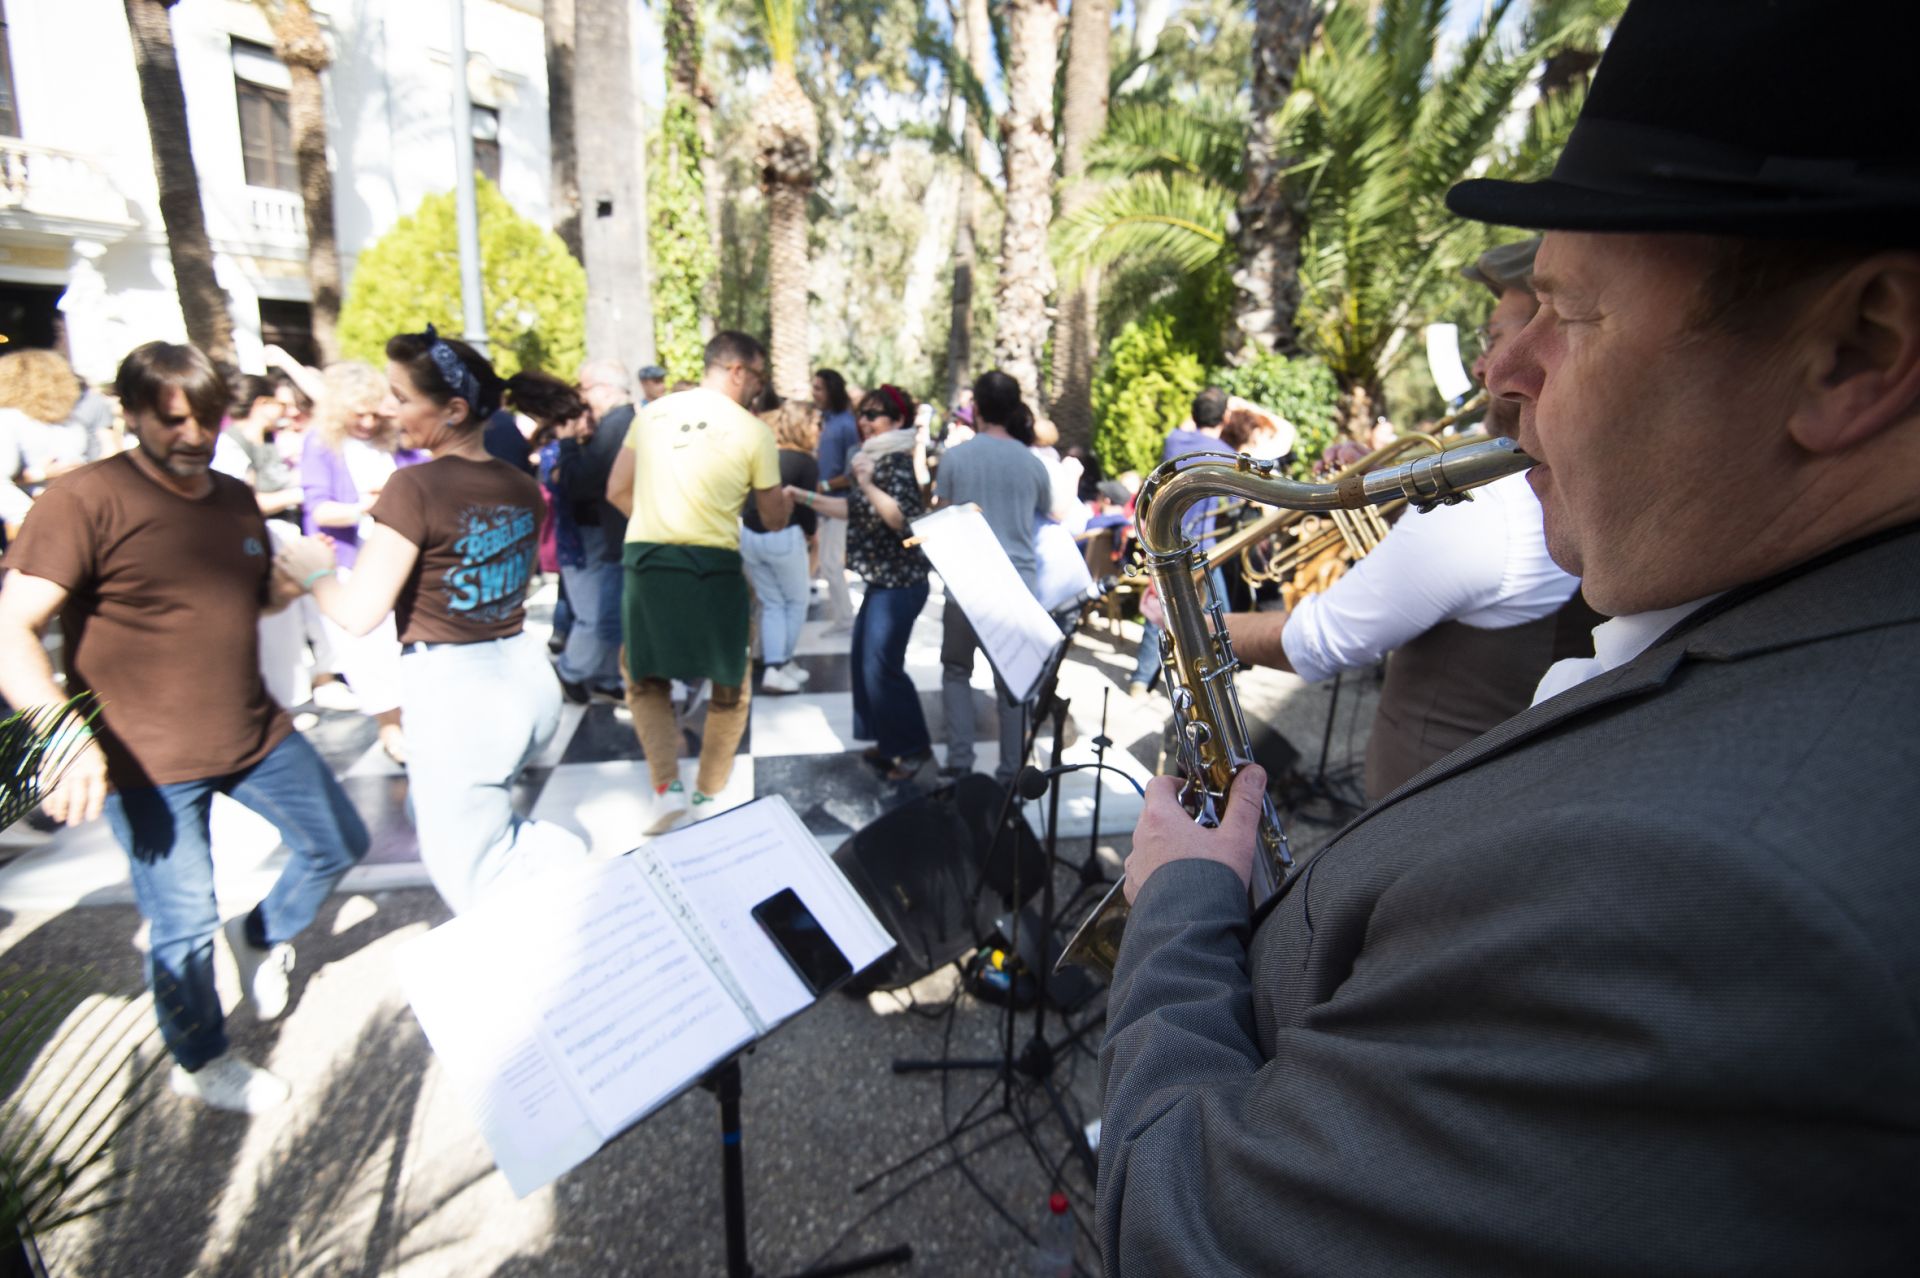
<point>450,555</point>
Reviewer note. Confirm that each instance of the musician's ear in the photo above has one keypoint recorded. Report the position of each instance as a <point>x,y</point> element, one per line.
<point>1862,346</point>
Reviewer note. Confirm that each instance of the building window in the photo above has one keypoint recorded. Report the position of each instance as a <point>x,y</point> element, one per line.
<point>486,143</point>
<point>9,113</point>
<point>261,82</point>
<point>289,325</point>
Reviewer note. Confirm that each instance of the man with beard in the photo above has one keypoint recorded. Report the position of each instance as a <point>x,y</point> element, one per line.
<point>159,568</point>
<point>1465,597</point>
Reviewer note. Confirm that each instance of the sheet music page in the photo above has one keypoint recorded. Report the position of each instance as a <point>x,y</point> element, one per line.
<point>1063,567</point>
<point>576,994</point>
<point>1016,631</point>
<point>532,1123</point>
<point>729,863</point>
<point>620,994</point>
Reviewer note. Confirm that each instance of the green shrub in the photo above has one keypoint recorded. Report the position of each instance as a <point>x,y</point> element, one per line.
<point>1302,390</point>
<point>1143,388</point>
<point>535,294</point>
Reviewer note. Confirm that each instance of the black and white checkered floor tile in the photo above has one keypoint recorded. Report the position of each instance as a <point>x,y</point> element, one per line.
<point>592,779</point>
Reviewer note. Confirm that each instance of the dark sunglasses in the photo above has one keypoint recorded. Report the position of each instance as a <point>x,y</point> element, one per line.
<point>869,414</point>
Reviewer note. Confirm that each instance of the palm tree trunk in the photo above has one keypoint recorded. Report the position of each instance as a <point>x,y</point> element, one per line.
<point>609,140</point>
<point>1026,271</point>
<point>300,44</point>
<point>1267,238</point>
<point>972,39</point>
<point>203,303</point>
<point>787,140</point>
<point>1089,65</point>
<point>557,18</point>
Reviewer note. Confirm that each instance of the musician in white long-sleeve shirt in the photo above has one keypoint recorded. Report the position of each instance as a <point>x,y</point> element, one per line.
<point>1464,597</point>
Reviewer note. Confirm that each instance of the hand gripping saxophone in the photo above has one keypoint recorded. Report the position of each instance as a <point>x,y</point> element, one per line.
<point>1198,655</point>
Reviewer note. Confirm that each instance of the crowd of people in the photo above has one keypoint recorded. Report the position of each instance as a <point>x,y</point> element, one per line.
<point>1614,973</point>
<point>366,539</point>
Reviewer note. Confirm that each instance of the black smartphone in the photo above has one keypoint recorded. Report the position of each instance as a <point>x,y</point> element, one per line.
<point>787,921</point>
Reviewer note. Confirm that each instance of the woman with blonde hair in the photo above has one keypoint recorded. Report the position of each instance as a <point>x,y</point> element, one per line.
<point>777,562</point>
<point>350,452</point>
<point>37,440</point>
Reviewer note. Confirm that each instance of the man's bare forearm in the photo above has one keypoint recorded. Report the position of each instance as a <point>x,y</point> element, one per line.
<point>1256,638</point>
<point>26,676</point>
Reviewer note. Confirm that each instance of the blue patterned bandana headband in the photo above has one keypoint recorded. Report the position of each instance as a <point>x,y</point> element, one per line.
<point>455,373</point>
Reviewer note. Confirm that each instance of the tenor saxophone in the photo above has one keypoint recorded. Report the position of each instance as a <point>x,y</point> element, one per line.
<point>1197,654</point>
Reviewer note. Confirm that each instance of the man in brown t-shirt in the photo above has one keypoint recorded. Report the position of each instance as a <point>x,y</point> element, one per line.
<point>159,568</point>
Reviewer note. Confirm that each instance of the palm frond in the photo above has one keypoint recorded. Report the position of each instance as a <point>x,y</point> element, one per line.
<point>36,746</point>
<point>783,29</point>
<point>1204,139</point>
<point>1152,221</point>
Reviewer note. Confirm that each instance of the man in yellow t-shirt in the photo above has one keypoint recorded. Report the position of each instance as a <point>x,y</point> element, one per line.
<point>689,461</point>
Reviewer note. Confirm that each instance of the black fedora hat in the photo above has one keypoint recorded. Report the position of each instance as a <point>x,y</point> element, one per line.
<point>1767,118</point>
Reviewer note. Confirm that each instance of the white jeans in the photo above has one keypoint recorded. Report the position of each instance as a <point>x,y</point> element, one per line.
<point>833,563</point>
<point>477,713</point>
<point>776,565</point>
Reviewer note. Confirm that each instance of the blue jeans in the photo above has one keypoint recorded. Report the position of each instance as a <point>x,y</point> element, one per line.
<point>476,714</point>
<point>776,564</point>
<point>165,833</point>
<point>886,706</point>
<point>1147,668</point>
<point>592,654</point>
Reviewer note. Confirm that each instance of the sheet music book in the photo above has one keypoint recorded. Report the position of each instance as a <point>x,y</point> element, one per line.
<point>572,1007</point>
<point>1018,634</point>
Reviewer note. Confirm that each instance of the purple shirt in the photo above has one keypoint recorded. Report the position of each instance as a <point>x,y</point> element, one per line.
<point>324,476</point>
<point>1197,524</point>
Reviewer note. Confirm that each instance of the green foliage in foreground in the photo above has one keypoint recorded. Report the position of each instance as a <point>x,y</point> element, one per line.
<point>1145,387</point>
<point>535,294</point>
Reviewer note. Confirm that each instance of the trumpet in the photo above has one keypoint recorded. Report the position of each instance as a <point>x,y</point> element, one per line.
<point>1197,656</point>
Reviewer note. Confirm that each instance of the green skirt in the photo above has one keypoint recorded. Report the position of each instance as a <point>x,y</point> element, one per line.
<point>684,613</point>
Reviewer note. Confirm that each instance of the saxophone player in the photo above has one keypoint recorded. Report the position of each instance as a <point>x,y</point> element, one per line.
<point>1630,984</point>
<point>1465,597</point>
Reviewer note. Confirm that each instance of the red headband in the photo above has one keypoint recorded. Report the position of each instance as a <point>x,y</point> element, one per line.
<point>901,400</point>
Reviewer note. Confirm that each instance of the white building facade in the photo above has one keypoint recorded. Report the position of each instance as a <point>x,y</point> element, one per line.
<point>83,251</point>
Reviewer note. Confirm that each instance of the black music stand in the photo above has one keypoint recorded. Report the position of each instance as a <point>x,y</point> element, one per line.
<point>1037,1059</point>
<point>724,1083</point>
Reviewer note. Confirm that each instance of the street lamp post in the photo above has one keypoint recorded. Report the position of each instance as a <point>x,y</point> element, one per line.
<point>466,208</point>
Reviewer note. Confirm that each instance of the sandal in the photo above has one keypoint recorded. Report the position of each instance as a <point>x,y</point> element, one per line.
<point>908,767</point>
<point>875,759</point>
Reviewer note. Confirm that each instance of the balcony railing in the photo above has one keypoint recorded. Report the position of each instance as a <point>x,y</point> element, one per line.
<point>42,181</point>
<point>278,219</point>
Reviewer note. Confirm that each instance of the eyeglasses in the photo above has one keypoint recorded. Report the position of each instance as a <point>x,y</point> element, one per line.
<point>873,414</point>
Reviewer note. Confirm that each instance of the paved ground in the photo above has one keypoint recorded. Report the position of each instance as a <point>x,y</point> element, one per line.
<point>376,1167</point>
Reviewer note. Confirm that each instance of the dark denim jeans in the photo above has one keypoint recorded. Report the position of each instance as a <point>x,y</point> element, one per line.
<point>165,832</point>
<point>886,706</point>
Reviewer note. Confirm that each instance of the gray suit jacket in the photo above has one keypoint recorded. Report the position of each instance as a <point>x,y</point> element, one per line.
<point>1627,985</point>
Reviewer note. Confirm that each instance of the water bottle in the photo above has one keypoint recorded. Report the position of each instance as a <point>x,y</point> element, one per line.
<point>1053,1252</point>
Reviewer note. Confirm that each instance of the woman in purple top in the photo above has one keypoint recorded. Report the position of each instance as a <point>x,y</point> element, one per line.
<point>350,451</point>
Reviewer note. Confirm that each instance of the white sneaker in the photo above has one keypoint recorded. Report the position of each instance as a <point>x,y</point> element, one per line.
<point>263,973</point>
<point>799,674</point>
<point>669,808</point>
<point>234,1083</point>
<point>776,679</point>
<point>704,806</point>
